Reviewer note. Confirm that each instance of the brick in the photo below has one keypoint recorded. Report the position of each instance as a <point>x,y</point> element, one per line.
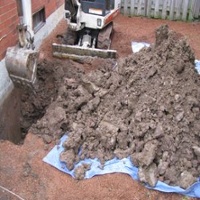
<point>10,6</point>
<point>4,43</point>
<point>50,5</point>
<point>1,10</point>
<point>9,40</point>
<point>2,26</point>
<point>8,15</point>
<point>8,26</point>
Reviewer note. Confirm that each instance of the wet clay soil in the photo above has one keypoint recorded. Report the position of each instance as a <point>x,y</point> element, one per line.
<point>146,106</point>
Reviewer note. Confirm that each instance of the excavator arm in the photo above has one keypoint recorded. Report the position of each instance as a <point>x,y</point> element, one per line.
<point>21,60</point>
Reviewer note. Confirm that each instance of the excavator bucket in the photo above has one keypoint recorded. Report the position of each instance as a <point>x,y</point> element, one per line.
<point>22,66</point>
<point>76,52</point>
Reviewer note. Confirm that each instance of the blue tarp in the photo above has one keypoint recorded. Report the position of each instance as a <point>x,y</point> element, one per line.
<point>137,46</point>
<point>113,166</point>
<point>197,65</point>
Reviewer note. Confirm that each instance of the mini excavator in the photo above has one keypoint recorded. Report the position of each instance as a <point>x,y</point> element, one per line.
<point>90,26</point>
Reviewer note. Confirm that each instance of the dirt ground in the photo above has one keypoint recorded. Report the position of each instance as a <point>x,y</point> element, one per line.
<point>21,168</point>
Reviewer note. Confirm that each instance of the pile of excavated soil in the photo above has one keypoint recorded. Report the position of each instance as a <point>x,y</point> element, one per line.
<point>147,108</point>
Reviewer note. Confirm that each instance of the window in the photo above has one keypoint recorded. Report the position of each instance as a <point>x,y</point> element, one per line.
<point>38,20</point>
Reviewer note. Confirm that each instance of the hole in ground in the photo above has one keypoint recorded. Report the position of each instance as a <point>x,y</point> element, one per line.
<point>33,105</point>
<point>51,83</point>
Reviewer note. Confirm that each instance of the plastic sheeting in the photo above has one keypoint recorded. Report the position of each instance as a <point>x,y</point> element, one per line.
<point>113,166</point>
<point>197,65</point>
<point>137,46</point>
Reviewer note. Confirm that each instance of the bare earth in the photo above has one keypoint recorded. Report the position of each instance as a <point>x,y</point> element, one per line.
<point>21,168</point>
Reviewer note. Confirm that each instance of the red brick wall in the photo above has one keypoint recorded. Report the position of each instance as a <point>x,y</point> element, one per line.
<point>50,5</point>
<point>9,19</point>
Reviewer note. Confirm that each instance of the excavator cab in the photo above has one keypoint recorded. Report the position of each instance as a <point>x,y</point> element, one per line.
<point>97,7</point>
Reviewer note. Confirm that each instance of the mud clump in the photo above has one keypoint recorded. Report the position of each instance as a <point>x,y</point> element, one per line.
<point>147,108</point>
